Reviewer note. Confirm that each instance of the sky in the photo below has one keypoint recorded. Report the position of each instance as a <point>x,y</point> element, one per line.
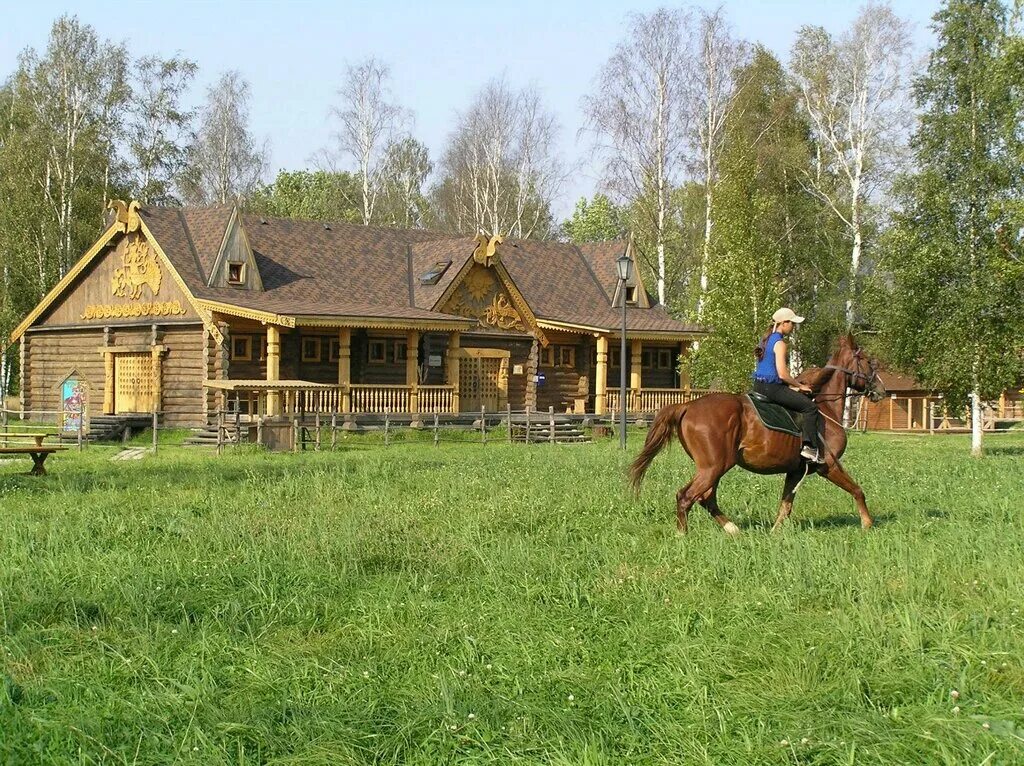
<point>294,54</point>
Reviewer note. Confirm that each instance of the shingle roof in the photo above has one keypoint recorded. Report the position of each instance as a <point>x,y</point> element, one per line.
<point>344,269</point>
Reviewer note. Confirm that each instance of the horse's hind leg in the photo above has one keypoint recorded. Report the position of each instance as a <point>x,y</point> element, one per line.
<point>710,503</point>
<point>683,509</point>
<point>838,476</point>
<point>700,489</point>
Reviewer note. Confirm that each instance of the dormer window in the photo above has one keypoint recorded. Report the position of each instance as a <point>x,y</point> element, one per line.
<point>236,273</point>
<point>631,294</point>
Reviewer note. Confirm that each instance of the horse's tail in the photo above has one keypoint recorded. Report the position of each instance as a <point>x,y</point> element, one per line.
<point>665,422</point>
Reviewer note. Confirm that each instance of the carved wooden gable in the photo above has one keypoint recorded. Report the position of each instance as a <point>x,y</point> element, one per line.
<point>128,283</point>
<point>482,296</point>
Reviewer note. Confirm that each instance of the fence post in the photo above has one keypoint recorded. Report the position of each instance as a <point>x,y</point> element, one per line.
<point>238,420</point>
<point>154,432</point>
<point>316,443</point>
<point>259,430</point>
<point>81,425</point>
<point>527,423</point>
<point>296,433</point>
<point>220,431</point>
<point>334,431</point>
<point>3,421</point>
<point>483,424</point>
<point>508,415</point>
<point>435,430</point>
<point>551,425</point>
<point>387,426</point>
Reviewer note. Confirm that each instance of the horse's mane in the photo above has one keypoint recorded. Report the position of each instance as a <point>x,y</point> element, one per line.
<point>815,377</point>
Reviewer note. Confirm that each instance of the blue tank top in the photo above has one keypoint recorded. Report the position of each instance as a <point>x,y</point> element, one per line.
<point>766,371</point>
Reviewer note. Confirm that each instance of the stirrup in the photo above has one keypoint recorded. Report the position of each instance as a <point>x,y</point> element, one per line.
<point>810,454</point>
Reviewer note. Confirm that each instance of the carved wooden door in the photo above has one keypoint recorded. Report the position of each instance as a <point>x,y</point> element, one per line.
<point>133,383</point>
<point>483,379</point>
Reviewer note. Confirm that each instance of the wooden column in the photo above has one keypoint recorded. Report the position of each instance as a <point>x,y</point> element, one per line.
<point>532,366</point>
<point>273,368</point>
<point>23,374</point>
<point>345,367</point>
<point>601,376</point>
<point>635,365</point>
<point>108,382</point>
<point>684,372</point>
<point>453,368</point>
<point>158,383</point>
<point>412,368</point>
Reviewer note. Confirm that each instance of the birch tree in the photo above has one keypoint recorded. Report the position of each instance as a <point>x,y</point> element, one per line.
<point>157,126</point>
<point>715,86</point>
<point>854,91</point>
<point>500,171</point>
<point>224,163</point>
<point>955,256</point>
<point>405,169</point>
<point>367,120</point>
<point>638,114</point>
<point>66,101</point>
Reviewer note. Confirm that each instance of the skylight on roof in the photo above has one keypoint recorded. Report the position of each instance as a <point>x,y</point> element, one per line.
<point>433,275</point>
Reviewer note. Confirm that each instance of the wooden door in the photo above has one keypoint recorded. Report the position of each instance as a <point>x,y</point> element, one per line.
<point>133,382</point>
<point>483,379</point>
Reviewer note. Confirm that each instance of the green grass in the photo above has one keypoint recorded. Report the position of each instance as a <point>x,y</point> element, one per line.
<point>513,605</point>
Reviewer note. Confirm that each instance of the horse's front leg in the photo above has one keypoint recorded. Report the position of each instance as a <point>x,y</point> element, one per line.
<point>838,476</point>
<point>793,479</point>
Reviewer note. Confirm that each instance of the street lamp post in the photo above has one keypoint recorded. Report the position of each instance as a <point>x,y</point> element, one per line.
<point>625,266</point>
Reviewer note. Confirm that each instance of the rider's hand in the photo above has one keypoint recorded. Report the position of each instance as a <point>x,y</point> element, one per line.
<point>804,389</point>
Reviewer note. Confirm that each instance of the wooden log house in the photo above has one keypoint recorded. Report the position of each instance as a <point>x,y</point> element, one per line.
<point>184,311</point>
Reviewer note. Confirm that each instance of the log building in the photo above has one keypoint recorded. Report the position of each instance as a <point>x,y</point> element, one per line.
<point>181,311</point>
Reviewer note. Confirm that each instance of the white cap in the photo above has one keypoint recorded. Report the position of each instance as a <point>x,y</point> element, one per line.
<point>786,315</point>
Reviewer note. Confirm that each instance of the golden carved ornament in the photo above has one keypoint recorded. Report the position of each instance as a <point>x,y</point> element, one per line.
<point>485,253</point>
<point>140,268</point>
<point>502,314</point>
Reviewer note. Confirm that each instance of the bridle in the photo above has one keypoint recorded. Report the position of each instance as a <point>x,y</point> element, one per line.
<point>870,378</point>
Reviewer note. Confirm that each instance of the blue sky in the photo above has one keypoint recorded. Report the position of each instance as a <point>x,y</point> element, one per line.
<point>294,54</point>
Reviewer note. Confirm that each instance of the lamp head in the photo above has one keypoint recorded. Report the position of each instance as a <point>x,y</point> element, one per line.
<point>625,266</point>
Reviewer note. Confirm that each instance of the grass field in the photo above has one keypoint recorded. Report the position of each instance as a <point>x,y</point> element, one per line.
<point>512,605</point>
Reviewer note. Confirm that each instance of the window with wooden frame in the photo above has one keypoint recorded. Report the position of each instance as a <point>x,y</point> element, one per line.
<point>241,348</point>
<point>631,294</point>
<point>334,350</point>
<point>260,347</point>
<point>547,356</point>
<point>311,350</point>
<point>566,356</point>
<point>376,352</point>
<point>665,359</point>
<point>614,357</point>
<point>648,360</point>
<point>236,273</point>
<point>399,351</point>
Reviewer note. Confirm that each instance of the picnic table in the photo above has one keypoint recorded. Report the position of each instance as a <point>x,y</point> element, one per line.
<point>38,452</point>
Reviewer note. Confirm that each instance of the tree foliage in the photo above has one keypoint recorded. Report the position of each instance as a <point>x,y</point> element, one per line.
<point>596,220</point>
<point>955,312</point>
<point>309,195</point>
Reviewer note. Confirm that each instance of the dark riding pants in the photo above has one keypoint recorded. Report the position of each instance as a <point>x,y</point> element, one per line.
<point>782,394</point>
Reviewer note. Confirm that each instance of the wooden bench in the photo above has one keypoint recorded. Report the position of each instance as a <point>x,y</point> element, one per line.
<point>37,452</point>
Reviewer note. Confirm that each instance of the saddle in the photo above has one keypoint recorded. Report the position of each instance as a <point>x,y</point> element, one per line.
<point>775,417</point>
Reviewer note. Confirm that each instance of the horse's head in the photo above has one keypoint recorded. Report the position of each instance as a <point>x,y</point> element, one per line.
<point>861,370</point>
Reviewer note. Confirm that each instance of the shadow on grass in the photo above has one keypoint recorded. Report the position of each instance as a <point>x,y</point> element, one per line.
<point>1005,451</point>
<point>838,521</point>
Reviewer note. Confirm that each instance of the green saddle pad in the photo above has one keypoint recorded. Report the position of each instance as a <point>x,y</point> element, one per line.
<point>775,416</point>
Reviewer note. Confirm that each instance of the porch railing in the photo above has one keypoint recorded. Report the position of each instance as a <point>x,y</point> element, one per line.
<point>437,399</point>
<point>377,399</point>
<point>652,399</point>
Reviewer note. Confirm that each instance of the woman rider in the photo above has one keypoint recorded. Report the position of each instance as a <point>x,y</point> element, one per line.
<point>773,381</point>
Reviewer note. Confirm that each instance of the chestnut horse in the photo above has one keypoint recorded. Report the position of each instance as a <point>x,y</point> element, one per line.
<point>719,431</point>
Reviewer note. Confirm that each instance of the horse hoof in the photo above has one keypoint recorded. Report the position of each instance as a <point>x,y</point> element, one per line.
<point>731,529</point>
